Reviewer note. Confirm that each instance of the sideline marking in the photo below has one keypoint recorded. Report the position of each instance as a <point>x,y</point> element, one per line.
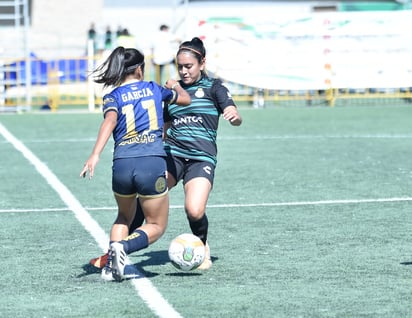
<point>143,286</point>
<point>286,137</point>
<point>234,205</point>
<point>257,137</point>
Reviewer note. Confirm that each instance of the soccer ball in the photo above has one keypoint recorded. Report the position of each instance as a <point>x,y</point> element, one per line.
<point>186,252</point>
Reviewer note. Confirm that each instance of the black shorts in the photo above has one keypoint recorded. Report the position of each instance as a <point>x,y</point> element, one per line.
<point>188,169</point>
<point>142,176</point>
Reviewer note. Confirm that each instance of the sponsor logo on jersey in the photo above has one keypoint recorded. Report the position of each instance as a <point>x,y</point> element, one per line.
<point>187,120</point>
<point>207,169</point>
<point>139,139</point>
<point>200,93</point>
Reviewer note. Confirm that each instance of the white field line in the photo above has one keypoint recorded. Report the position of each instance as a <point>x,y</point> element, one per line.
<point>143,286</point>
<point>360,136</point>
<point>255,137</point>
<point>233,205</point>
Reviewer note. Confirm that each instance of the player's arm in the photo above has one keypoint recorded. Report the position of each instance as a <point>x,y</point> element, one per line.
<point>181,97</point>
<point>105,131</point>
<point>223,98</point>
<point>231,114</point>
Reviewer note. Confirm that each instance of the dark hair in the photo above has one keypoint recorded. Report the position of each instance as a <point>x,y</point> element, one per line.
<point>164,27</point>
<point>120,63</point>
<point>195,46</point>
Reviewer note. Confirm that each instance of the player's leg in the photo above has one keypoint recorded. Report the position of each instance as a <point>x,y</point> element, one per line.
<point>138,217</point>
<point>123,185</point>
<point>196,195</point>
<point>125,192</point>
<point>150,180</point>
<point>125,215</point>
<point>119,230</point>
<point>100,262</point>
<point>174,166</point>
<point>156,211</point>
<point>198,182</point>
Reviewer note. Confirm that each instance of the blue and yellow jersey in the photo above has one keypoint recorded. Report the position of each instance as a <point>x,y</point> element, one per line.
<point>139,107</point>
<point>193,128</point>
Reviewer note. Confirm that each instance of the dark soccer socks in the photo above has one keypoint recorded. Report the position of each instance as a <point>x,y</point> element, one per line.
<point>136,241</point>
<point>200,228</point>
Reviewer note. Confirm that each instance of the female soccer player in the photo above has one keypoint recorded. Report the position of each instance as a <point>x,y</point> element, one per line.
<point>191,135</point>
<point>190,141</point>
<point>133,114</point>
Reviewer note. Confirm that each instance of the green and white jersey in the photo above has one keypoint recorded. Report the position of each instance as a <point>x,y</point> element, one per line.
<point>193,130</point>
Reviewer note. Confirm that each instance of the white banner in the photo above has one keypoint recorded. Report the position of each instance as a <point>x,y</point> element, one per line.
<point>312,50</point>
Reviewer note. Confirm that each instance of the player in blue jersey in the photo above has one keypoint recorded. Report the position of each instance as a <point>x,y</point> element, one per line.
<point>133,115</point>
<point>190,141</point>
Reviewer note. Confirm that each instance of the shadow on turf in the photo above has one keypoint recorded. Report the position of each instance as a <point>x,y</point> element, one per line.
<point>406,263</point>
<point>162,258</point>
<point>153,258</point>
<point>89,269</point>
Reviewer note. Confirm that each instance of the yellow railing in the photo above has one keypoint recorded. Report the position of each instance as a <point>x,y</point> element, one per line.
<point>55,84</point>
<point>66,84</point>
<point>330,97</point>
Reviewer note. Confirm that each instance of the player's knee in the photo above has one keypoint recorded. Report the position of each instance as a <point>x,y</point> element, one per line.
<point>195,213</point>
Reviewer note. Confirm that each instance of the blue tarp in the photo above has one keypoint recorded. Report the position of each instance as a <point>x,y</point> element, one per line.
<point>66,70</point>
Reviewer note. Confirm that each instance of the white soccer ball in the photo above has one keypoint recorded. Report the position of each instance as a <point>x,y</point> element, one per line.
<point>186,252</point>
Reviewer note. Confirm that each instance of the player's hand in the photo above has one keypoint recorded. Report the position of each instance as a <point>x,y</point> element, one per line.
<point>89,166</point>
<point>232,115</point>
<point>171,84</point>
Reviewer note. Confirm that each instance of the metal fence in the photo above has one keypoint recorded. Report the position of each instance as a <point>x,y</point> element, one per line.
<point>66,83</point>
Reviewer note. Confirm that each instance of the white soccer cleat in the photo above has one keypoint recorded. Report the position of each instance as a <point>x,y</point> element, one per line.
<point>119,261</point>
<point>107,274</point>
<point>207,262</point>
